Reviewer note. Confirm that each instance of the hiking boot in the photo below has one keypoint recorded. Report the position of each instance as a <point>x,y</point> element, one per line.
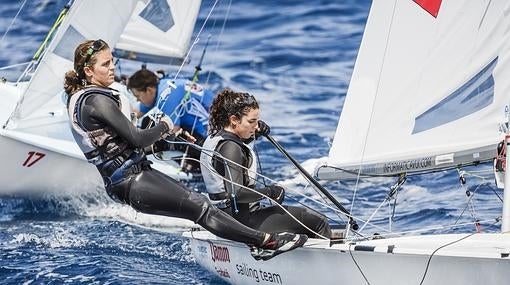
<point>278,244</point>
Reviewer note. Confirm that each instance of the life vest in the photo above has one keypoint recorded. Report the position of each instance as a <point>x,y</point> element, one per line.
<point>103,147</point>
<point>214,181</point>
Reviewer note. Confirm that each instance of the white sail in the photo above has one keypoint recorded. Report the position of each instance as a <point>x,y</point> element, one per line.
<point>428,91</point>
<point>159,31</point>
<point>91,19</point>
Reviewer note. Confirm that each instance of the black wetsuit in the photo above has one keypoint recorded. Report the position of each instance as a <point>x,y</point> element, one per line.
<point>145,189</point>
<point>247,208</point>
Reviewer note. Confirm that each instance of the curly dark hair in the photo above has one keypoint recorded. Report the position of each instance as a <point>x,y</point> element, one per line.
<point>227,103</point>
<point>84,55</point>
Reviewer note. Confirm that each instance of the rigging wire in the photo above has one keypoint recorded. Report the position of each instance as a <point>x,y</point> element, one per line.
<point>186,103</point>
<point>372,110</point>
<point>259,164</point>
<point>197,39</point>
<point>384,231</point>
<point>162,101</point>
<point>12,22</point>
<point>43,47</point>
<point>385,234</point>
<point>391,195</point>
<point>219,41</point>
<point>252,174</point>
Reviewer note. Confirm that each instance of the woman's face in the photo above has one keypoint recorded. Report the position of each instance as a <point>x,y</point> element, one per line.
<point>102,72</point>
<point>245,127</point>
<point>146,97</point>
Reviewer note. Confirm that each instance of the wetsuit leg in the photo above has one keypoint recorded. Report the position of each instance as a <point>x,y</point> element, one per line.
<point>273,219</point>
<point>153,192</point>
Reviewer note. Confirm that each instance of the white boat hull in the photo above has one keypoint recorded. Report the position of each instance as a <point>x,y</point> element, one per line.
<point>478,259</point>
<point>28,168</point>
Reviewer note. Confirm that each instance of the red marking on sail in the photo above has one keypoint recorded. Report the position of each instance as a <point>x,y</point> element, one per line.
<point>431,6</point>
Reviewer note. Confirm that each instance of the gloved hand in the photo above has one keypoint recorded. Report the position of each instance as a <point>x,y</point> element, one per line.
<point>156,115</point>
<point>277,193</point>
<point>262,130</point>
<point>185,135</point>
<point>165,119</point>
<point>170,125</point>
<point>162,145</point>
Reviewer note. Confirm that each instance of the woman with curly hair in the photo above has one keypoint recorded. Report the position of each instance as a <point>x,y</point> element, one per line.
<point>228,165</point>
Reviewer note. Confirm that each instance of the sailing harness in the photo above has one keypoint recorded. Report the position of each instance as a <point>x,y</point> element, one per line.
<point>103,147</point>
<point>215,185</point>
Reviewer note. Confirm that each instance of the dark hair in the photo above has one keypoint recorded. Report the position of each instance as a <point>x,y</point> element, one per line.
<point>84,55</point>
<point>142,79</point>
<point>228,103</point>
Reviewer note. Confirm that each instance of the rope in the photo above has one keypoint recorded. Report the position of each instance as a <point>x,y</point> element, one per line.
<point>385,231</point>
<point>12,22</point>
<point>251,175</point>
<point>434,252</point>
<point>197,39</point>
<point>357,265</point>
<point>211,153</point>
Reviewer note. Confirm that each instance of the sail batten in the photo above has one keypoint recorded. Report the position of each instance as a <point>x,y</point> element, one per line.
<point>425,88</point>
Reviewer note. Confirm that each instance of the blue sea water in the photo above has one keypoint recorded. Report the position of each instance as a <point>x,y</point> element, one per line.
<point>297,57</point>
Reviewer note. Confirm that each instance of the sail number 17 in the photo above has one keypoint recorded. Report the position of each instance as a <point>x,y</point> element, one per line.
<point>33,157</point>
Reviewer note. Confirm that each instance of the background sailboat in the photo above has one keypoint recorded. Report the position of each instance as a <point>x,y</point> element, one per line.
<point>36,140</point>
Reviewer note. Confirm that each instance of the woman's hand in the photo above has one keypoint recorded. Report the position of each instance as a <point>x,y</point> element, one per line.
<point>262,130</point>
<point>169,124</point>
<point>277,193</point>
<point>185,134</point>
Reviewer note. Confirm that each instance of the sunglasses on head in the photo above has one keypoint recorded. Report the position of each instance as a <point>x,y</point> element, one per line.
<point>96,46</point>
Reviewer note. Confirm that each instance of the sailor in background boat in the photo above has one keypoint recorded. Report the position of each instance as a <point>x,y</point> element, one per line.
<point>115,146</point>
<point>187,104</point>
<point>229,167</point>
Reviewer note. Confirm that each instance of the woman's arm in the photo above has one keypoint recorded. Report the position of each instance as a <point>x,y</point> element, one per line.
<point>104,109</point>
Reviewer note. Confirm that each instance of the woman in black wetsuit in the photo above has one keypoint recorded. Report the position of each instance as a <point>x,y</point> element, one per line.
<point>227,157</point>
<point>115,146</point>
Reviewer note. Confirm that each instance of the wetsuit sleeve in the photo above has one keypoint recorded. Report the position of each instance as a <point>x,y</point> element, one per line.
<point>233,172</point>
<point>105,110</point>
